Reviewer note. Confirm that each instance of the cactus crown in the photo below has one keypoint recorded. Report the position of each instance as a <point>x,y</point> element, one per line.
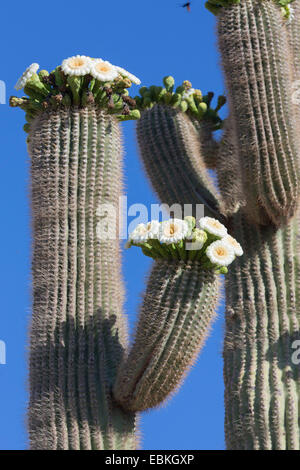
<point>80,81</point>
<point>205,241</point>
<point>214,6</point>
<point>185,98</point>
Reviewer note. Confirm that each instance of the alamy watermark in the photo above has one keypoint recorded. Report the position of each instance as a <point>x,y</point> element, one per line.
<point>2,353</point>
<point>296,353</point>
<point>113,221</point>
<point>2,92</point>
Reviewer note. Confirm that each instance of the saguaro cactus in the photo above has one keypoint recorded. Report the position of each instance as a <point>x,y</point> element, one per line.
<point>257,164</point>
<point>78,332</point>
<point>86,383</point>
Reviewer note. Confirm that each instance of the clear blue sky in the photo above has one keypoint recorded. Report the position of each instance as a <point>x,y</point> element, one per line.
<point>150,38</point>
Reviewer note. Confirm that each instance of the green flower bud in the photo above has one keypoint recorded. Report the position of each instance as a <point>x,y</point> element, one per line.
<point>167,97</point>
<point>191,221</point>
<point>22,103</point>
<point>35,88</point>
<point>169,82</point>
<point>223,270</point>
<point>191,104</point>
<point>43,73</point>
<point>161,94</point>
<point>183,106</point>
<point>186,85</point>
<point>176,99</point>
<point>75,85</point>
<point>133,115</point>
<point>197,95</point>
<point>60,79</point>
<point>202,108</point>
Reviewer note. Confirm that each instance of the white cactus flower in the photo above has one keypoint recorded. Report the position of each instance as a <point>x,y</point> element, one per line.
<point>213,226</point>
<point>144,232</point>
<point>32,69</point>
<point>173,230</point>
<point>103,70</point>
<point>220,253</point>
<point>78,65</point>
<point>188,93</point>
<point>129,75</point>
<point>238,250</point>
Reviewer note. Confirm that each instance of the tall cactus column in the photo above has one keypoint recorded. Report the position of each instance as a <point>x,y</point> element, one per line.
<point>262,375</point>
<point>78,332</point>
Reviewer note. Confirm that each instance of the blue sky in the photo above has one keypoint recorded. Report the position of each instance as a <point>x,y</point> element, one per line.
<point>150,38</point>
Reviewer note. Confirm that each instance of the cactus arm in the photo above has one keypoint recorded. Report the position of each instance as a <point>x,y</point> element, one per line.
<point>177,311</point>
<point>228,172</point>
<point>208,144</point>
<point>171,153</point>
<point>293,28</point>
<point>253,43</point>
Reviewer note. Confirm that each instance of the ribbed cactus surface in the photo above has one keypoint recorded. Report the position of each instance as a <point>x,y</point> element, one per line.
<point>85,382</point>
<point>170,150</point>
<point>262,379</point>
<point>253,42</point>
<point>77,332</point>
<point>176,314</point>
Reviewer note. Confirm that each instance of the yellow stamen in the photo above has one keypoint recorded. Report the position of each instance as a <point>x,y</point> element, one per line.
<point>220,251</point>
<point>76,63</point>
<point>100,67</point>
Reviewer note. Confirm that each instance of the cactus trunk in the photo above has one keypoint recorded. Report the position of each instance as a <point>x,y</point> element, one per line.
<point>262,380</point>
<point>78,334</point>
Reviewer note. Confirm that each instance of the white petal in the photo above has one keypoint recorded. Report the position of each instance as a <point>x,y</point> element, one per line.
<point>78,65</point>
<point>33,68</point>
<point>220,253</point>
<point>213,226</point>
<point>131,77</point>
<point>238,250</point>
<point>108,74</point>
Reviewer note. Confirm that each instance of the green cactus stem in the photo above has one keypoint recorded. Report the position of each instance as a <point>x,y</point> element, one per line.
<point>170,150</point>
<point>254,46</point>
<point>229,172</point>
<point>78,333</point>
<point>262,380</point>
<point>177,311</point>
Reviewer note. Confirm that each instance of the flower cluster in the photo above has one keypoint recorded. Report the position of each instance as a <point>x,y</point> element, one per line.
<point>100,69</point>
<point>206,241</point>
<point>80,81</point>
<point>185,98</point>
<point>214,6</point>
